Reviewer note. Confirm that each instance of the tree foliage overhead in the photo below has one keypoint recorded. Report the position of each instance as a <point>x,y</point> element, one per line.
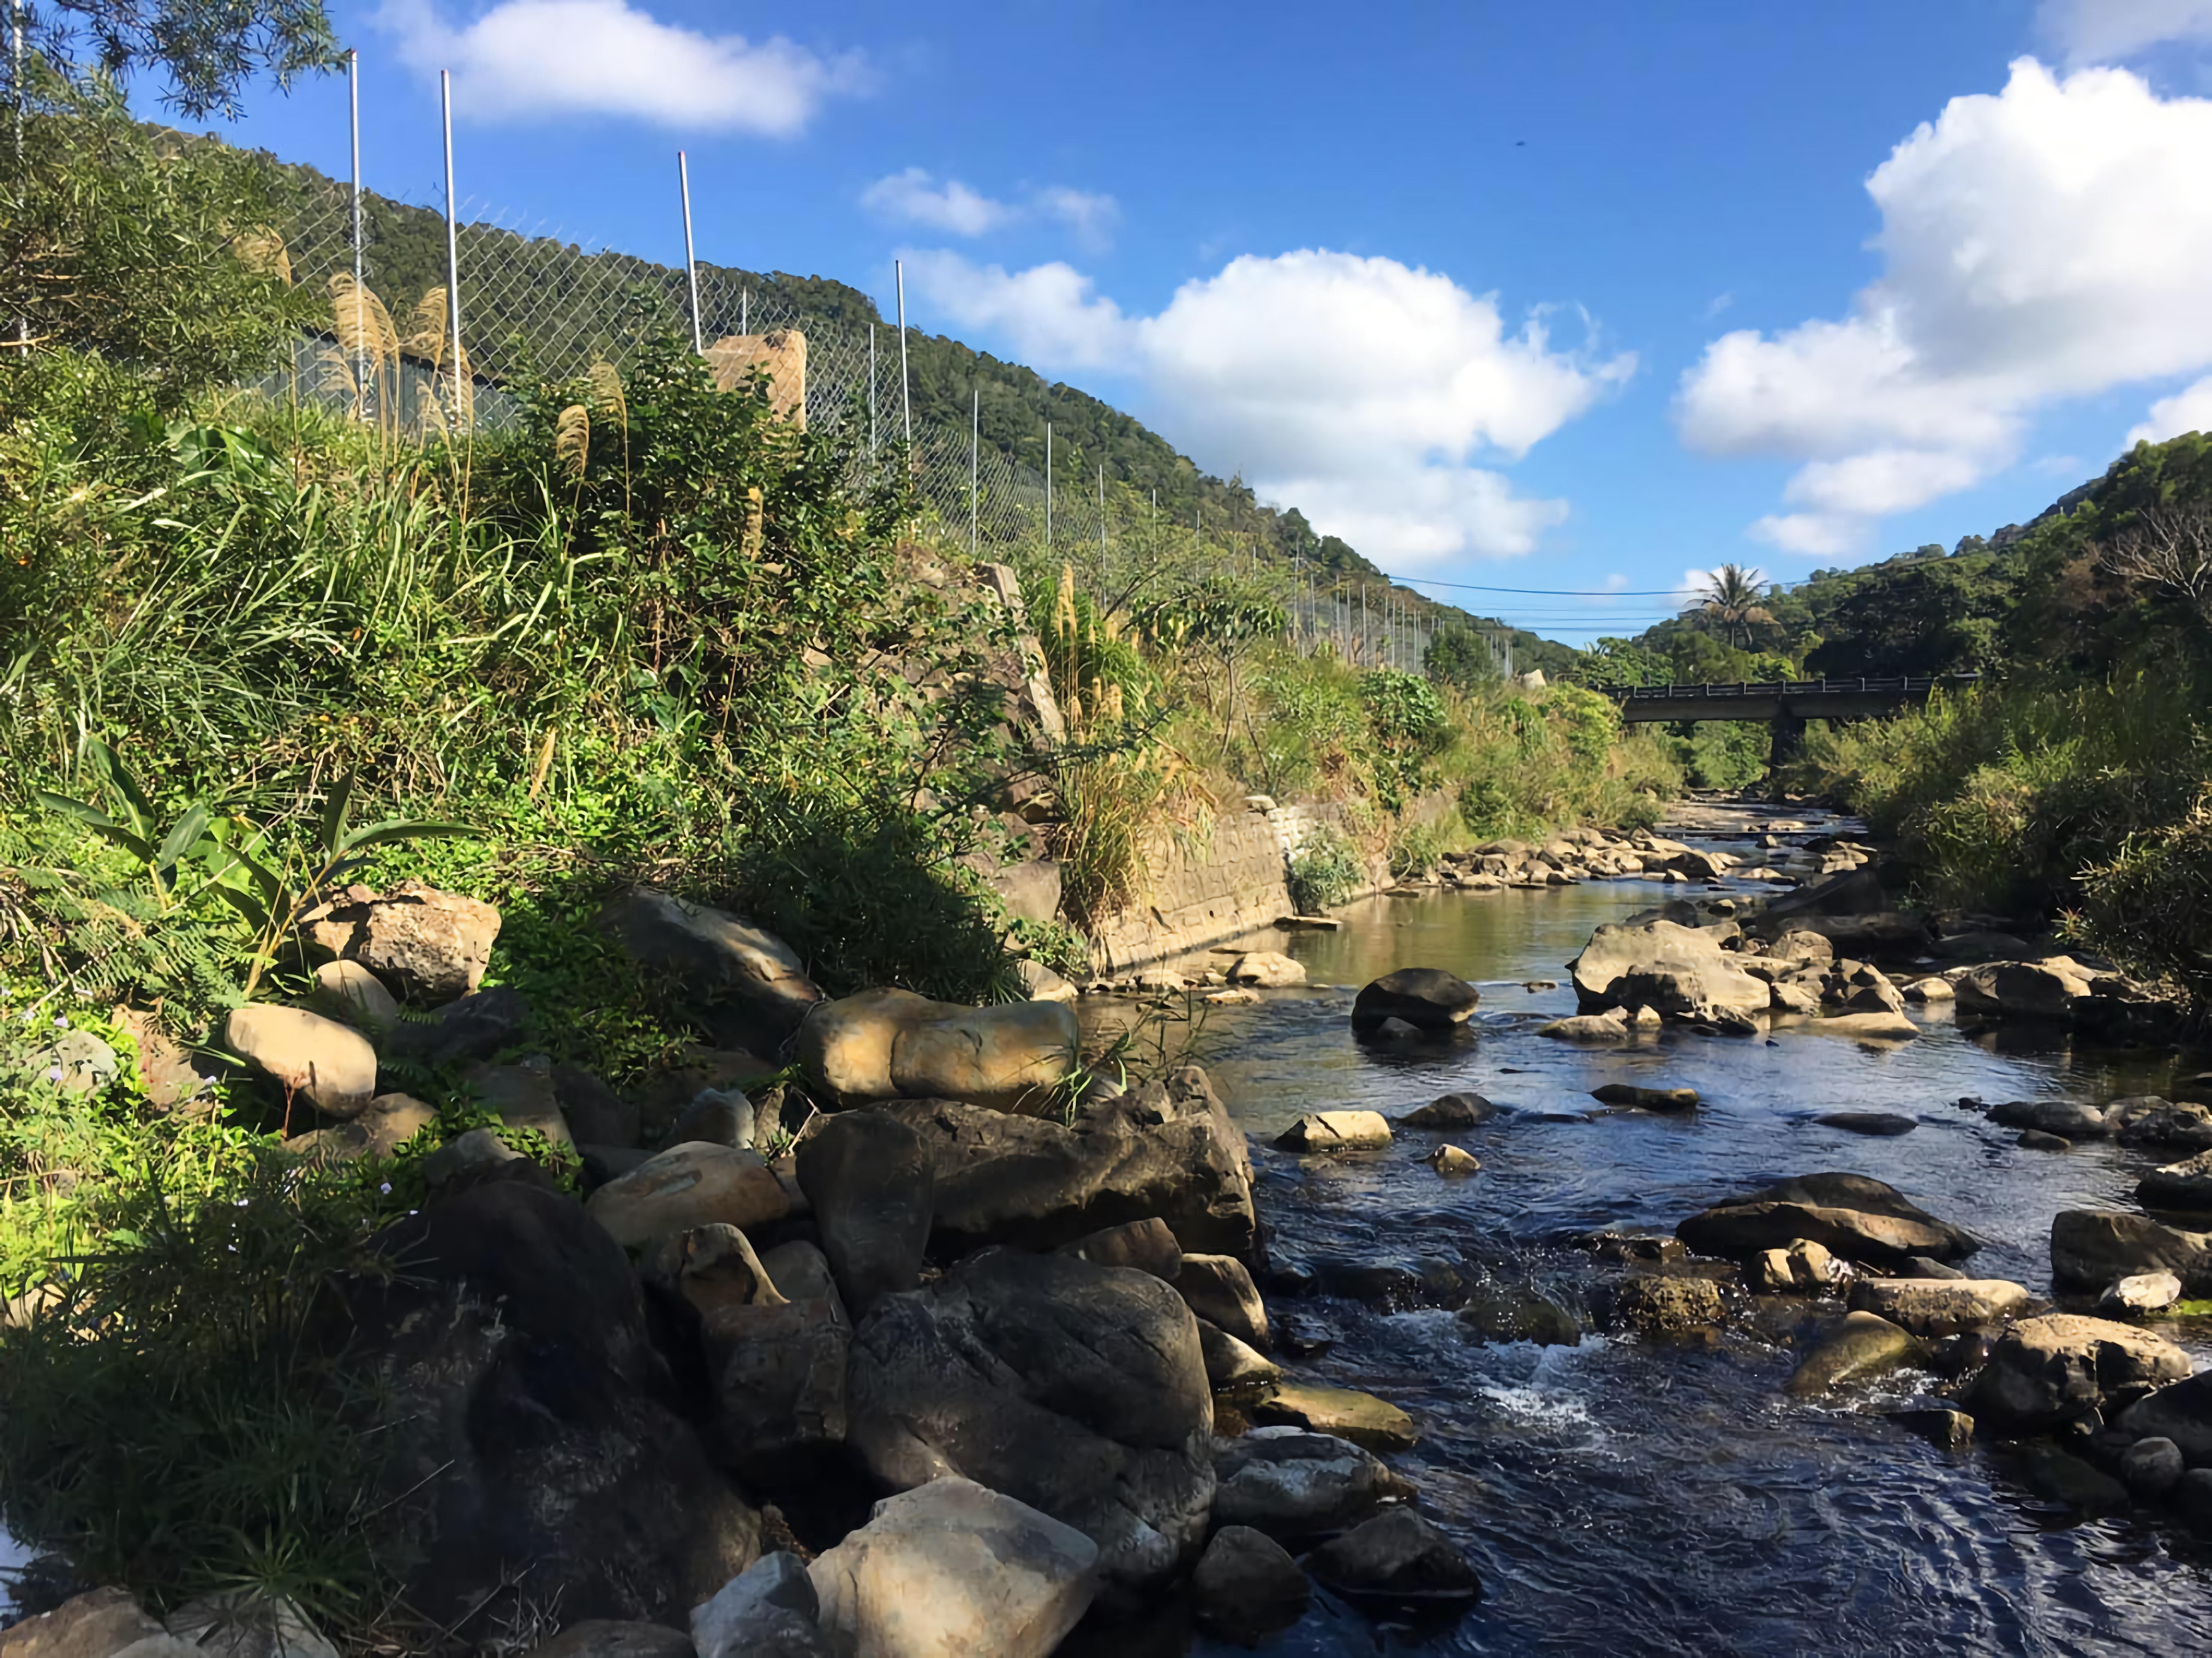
<point>149,254</point>
<point>204,50</point>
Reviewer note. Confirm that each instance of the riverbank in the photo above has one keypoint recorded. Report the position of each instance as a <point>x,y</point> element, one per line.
<point>1694,1499</point>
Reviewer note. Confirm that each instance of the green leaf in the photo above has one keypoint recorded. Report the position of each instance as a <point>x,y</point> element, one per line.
<point>100,824</point>
<point>401,828</point>
<point>255,912</point>
<point>181,839</point>
<point>335,808</point>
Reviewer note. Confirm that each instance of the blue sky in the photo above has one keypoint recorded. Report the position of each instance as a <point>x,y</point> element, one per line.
<point>1561,296</point>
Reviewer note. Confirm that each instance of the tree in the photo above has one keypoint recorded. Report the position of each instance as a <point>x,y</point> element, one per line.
<point>2168,548</point>
<point>148,252</point>
<point>1732,598</point>
<point>206,49</point>
<point>1462,657</point>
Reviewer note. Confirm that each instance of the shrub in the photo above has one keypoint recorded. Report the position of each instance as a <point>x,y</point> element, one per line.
<point>1325,872</point>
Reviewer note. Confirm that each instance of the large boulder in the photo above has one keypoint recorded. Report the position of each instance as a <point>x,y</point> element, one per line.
<point>533,1433</point>
<point>1860,1348</point>
<point>2147,1119</point>
<point>777,1362</point>
<point>1291,1483</point>
<point>2184,1184</point>
<point>694,1184</point>
<point>2073,1119</point>
<point>1681,971</point>
<point>1941,1307</point>
<point>2018,990</point>
<point>871,1182</point>
<point>1426,998</point>
<point>1336,1131</point>
<point>1079,1390</point>
<point>2048,1370</point>
<point>325,1064</point>
<point>1166,1149</point>
<point>428,945</point>
<point>460,1033</point>
<point>766,1610</point>
<point>1219,1290</point>
<point>893,1044</point>
<point>751,986</point>
<point>2181,1413</point>
<point>2091,1248</point>
<point>953,1568</point>
<point>1852,1216</point>
<point>97,1624</point>
<point>1270,970</point>
<point>1246,1585</point>
<point>1396,1555</point>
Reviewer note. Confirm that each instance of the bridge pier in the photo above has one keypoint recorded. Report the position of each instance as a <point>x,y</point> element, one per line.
<point>1786,737</point>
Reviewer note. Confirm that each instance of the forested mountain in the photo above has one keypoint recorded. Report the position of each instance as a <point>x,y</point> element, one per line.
<point>2037,592</point>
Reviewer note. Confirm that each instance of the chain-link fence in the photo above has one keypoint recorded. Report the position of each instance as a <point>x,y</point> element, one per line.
<point>394,347</point>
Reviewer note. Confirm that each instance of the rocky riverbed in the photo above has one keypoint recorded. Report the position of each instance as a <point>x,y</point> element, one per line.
<point>1571,1255</point>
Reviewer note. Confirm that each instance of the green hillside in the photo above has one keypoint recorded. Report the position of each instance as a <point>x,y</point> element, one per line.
<point>537,302</point>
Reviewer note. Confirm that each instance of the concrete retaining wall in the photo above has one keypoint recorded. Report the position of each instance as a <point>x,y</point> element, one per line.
<point>1199,895</point>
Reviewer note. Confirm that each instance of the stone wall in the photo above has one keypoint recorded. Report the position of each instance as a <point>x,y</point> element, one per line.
<point>1229,883</point>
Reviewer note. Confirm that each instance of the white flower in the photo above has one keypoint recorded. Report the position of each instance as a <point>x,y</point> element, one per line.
<point>60,1024</point>
<point>242,1202</point>
<point>386,1189</point>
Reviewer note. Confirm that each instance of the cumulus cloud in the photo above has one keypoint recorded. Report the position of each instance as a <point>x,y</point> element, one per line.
<point>1365,390</point>
<point>539,60</point>
<point>1049,313</point>
<point>915,198</point>
<point>2186,411</point>
<point>2107,31</point>
<point>2044,243</point>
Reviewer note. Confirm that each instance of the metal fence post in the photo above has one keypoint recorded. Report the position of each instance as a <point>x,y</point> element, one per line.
<point>453,236</point>
<point>360,302</point>
<point>871,390</point>
<point>1101,531</point>
<point>690,260</point>
<point>975,464</point>
<point>905,394</point>
<point>1047,488</point>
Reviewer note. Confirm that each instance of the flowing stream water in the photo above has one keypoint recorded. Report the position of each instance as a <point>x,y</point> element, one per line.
<point>1629,1496</point>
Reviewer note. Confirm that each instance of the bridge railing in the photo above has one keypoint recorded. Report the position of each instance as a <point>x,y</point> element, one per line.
<point>1900,686</point>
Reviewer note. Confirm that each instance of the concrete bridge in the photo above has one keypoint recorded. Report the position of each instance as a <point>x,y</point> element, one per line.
<point>1784,705</point>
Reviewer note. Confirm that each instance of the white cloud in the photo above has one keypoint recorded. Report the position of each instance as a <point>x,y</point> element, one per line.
<point>1091,214</point>
<point>539,60</point>
<point>1814,535</point>
<point>2044,243</point>
<point>2106,31</point>
<point>913,197</point>
<point>1364,389</point>
<point>1047,313</point>
<point>2187,410</point>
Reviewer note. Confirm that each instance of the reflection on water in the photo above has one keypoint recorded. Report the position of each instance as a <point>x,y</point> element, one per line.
<point>1624,1498</point>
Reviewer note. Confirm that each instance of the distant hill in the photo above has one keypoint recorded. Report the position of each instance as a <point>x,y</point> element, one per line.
<point>2029,592</point>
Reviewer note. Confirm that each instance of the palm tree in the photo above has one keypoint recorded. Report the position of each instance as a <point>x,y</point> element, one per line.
<point>1731,601</point>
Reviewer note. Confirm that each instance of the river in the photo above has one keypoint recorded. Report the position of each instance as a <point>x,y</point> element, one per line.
<point>1626,1497</point>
